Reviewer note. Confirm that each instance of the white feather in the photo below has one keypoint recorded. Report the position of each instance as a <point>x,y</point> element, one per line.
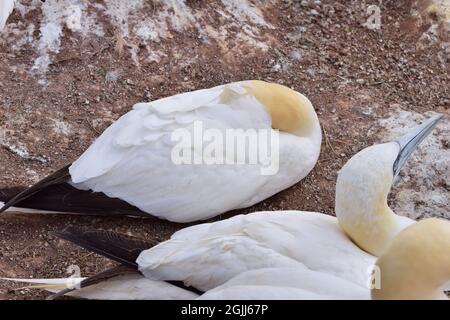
<point>286,283</point>
<point>208,255</point>
<point>126,287</point>
<point>34,211</point>
<point>6,7</point>
<point>56,281</point>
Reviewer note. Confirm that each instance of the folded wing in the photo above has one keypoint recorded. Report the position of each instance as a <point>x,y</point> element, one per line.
<point>206,256</point>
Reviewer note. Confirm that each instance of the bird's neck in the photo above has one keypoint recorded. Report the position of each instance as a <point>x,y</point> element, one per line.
<point>370,223</point>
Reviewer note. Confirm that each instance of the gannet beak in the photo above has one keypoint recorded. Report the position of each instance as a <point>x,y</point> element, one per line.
<point>409,142</point>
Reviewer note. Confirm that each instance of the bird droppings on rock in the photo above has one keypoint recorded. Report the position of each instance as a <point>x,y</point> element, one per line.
<point>139,26</point>
<point>422,188</point>
<point>61,127</point>
<point>22,152</point>
<point>112,76</point>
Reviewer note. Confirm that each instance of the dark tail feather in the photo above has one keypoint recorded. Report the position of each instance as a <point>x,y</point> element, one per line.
<point>65,198</point>
<point>7,194</point>
<point>115,246</point>
<point>60,176</point>
<point>55,194</point>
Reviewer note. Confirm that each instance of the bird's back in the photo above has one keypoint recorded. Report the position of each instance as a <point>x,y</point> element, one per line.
<point>133,159</point>
<point>208,255</point>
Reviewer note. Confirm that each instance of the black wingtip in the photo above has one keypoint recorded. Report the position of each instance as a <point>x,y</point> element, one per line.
<point>119,247</point>
<point>55,193</point>
<point>67,232</point>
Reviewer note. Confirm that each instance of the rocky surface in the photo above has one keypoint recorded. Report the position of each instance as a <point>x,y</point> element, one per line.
<point>68,69</point>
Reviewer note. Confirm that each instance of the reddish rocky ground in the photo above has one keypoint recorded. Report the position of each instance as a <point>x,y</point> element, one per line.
<point>354,77</point>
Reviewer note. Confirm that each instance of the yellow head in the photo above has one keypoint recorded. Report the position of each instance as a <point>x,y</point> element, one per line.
<point>416,264</point>
<point>290,111</point>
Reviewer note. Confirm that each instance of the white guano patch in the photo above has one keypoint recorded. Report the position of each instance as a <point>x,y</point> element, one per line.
<point>61,127</point>
<point>57,14</point>
<point>139,24</point>
<point>21,151</point>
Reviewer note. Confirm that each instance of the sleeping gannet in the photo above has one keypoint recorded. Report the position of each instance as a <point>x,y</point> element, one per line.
<point>131,166</point>
<point>205,256</point>
<point>6,7</point>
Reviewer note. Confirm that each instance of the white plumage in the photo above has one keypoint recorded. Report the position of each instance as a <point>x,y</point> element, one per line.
<point>298,254</point>
<point>287,284</point>
<point>207,255</point>
<point>124,287</point>
<point>422,244</point>
<point>131,160</point>
<point>226,254</point>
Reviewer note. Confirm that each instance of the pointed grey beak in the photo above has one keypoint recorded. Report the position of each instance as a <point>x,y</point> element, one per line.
<point>409,142</point>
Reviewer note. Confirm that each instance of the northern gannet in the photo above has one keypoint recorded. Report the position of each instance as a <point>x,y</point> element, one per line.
<point>414,266</point>
<point>6,7</point>
<point>206,256</point>
<point>131,168</point>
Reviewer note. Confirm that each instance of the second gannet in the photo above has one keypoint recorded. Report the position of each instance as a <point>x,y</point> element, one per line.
<point>414,266</point>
